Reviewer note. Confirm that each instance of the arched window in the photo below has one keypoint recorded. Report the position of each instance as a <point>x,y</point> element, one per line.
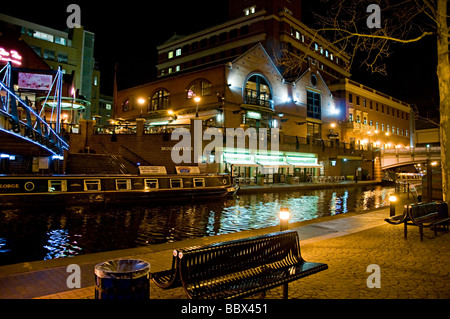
<point>159,100</point>
<point>199,87</point>
<point>257,91</point>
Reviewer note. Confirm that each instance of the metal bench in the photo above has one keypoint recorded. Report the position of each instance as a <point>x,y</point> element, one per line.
<point>424,215</point>
<point>238,268</point>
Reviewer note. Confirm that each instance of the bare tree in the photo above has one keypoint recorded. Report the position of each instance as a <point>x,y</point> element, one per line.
<point>346,25</point>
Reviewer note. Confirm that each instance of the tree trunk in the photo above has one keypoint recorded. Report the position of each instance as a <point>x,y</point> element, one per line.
<point>443,72</point>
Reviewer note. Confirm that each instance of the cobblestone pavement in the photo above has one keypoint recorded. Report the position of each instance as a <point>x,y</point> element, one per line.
<point>409,269</point>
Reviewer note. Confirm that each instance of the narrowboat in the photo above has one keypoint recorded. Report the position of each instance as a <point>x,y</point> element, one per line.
<point>92,189</point>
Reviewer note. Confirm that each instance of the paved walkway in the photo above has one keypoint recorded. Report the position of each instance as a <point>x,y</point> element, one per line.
<point>410,269</point>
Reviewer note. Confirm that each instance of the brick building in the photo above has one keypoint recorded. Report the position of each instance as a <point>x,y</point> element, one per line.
<point>228,77</point>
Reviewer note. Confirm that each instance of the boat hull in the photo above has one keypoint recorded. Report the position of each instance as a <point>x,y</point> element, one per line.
<point>90,190</point>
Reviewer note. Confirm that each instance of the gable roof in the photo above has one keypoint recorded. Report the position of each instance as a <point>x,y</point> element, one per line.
<point>259,47</point>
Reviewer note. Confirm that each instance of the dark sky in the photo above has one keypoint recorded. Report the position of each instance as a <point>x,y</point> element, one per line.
<point>128,33</point>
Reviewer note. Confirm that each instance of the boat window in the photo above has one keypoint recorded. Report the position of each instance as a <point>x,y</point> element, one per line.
<point>151,184</point>
<point>176,183</point>
<point>57,186</point>
<point>123,184</point>
<point>199,182</point>
<point>92,185</point>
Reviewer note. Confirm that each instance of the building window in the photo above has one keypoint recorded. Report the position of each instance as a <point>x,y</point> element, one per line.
<point>257,91</point>
<point>314,131</point>
<point>357,100</point>
<point>314,105</point>
<point>49,54</point>
<point>62,57</point>
<point>170,55</point>
<point>376,125</point>
<point>43,36</point>
<point>350,98</point>
<point>178,52</point>
<point>151,184</point>
<point>199,88</point>
<point>159,100</point>
<point>250,10</point>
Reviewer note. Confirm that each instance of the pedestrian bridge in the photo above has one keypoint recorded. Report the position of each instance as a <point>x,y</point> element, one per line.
<point>22,130</point>
<point>391,158</point>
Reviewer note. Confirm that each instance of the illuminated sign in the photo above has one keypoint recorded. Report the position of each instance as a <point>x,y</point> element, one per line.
<point>10,56</point>
<point>35,82</point>
<point>254,115</point>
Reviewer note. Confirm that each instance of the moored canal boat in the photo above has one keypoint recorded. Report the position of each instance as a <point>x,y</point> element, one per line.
<point>91,189</point>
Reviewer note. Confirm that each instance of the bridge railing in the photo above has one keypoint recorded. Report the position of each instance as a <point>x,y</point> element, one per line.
<point>32,128</point>
<point>412,150</point>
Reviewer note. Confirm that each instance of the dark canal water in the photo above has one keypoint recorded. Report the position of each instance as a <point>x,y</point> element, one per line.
<point>46,233</point>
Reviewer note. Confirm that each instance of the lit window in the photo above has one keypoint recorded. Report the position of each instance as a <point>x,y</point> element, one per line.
<point>61,41</point>
<point>297,35</point>
<point>331,57</point>
<point>170,70</point>
<point>316,46</point>
<point>199,182</point>
<point>199,88</point>
<point>151,184</point>
<point>159,101</point>
<point>178,52</point>
<point>123,184</point>
<point>176,183</point>
<point>92,185</point>
<point>177,68</point>
<point>43,36</point>
<point>170,55</point>
<point>250,10</point>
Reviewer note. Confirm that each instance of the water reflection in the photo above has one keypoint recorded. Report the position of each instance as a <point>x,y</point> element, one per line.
<point>46,233</point>
<point>61,245</point>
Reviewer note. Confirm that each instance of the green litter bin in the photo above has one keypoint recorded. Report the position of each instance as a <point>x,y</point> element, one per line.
<point>122,279</point>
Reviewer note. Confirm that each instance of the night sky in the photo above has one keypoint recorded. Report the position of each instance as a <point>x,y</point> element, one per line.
<point>128,33</point>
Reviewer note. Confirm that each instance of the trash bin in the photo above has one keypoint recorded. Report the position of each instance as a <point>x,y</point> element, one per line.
<point>122,279</point>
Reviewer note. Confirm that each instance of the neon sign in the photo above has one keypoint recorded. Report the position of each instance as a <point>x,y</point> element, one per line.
<point>10,56</point>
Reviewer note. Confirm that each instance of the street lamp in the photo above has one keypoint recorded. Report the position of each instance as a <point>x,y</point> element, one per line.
<point>392,199</point>
<point>197,100</point>
<point>284,218</point>
<point>141,102</point>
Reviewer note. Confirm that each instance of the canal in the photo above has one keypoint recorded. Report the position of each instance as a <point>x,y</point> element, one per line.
<point>42,233</point>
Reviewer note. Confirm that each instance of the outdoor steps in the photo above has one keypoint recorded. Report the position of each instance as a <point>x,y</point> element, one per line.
<point>96,164</point>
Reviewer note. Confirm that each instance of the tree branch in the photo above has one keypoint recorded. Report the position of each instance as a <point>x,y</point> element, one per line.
<point>373,36</point>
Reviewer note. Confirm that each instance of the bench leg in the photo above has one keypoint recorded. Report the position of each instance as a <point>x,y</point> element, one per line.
<point>405,231</point>
<point>285,291</point>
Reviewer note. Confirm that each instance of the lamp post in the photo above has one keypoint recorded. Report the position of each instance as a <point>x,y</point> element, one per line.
<point>141,102</point>
<point>392,200</point>
<point>197,100</point>
<point>284,218</point>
